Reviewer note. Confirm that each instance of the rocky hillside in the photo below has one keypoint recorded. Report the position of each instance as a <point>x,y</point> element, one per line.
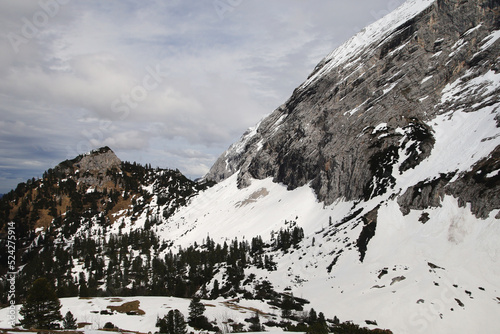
<point>97,182</point>
<point>77,204</point>
<point>368,110</point>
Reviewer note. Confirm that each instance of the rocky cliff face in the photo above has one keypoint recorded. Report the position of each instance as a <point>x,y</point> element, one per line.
<point>93,169</point>
<point>365,115</point>
<point>99,160</point>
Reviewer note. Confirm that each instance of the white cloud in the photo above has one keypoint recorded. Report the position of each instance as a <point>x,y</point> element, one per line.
<point>153,79</point>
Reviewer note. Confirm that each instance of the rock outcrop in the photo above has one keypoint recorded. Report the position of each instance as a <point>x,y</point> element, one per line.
<point>94,169</point>
<point>365,115</point>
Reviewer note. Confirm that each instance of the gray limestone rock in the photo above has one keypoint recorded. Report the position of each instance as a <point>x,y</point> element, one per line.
<point>343,130</point>
<point>92,168</point>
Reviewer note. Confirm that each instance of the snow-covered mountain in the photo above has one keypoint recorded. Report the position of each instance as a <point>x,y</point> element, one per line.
<point>388,157</point>
<point>370,105</point>
<point>371,195</point>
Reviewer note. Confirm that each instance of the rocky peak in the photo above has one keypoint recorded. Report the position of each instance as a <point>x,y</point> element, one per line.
<point>365,115</point>
<point>98,160</point>
<point>92,168</point>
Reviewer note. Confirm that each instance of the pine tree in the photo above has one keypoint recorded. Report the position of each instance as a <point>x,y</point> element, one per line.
<point>42,307</point>
<point>172,323</point>
<point>179,323</point>
<point>287,306</point>
<point>69,322</point>
<point>215,290</point>
<point>196,310</point>
<point>313,317</point>
<point>83,290</point>
<point>255,323</point>
<point>317,324</point>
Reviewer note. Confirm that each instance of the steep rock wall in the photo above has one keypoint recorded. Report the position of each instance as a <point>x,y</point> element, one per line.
<point>344,129</point>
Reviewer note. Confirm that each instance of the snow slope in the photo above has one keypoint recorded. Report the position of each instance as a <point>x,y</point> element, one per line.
<point>441,276</point>
<point>414,296</point>
<point>225,212</point>
<point>350,50</point>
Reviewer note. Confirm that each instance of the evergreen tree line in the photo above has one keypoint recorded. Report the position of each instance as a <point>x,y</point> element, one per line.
<point>129,265</point>
<point>58,191</point>
<point>41,310</point>
<point>174,321</point>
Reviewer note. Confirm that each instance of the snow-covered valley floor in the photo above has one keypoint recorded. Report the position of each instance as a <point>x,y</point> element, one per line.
<point>89,312</point>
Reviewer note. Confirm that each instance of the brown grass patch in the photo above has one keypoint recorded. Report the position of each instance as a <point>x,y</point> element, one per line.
<point>132,306</point>
<point>83,324</point>
<point>243,309</point>
<point>45,219</point>
<point>122,204</point>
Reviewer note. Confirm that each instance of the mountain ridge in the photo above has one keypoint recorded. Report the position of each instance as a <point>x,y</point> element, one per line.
<point>330,159</point>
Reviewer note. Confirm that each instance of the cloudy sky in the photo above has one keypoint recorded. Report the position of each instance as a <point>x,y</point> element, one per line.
<point>167,82</point>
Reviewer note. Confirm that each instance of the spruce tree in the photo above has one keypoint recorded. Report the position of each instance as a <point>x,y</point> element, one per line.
<point>69,322</point>
<point>313,317</point>
<point>286,306</point>
<point>172,323</point>
<point>215,290</point>
<point>196,310</point>
<point>179,323</point>
<point>317,324</point>
<point>83,290</point>
<point>42,307</point>
<point>196,317</point>
<point>255,323</point>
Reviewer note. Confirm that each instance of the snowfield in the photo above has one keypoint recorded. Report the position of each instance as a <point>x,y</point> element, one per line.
<point>87,311</point>
<point>441,276</point>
